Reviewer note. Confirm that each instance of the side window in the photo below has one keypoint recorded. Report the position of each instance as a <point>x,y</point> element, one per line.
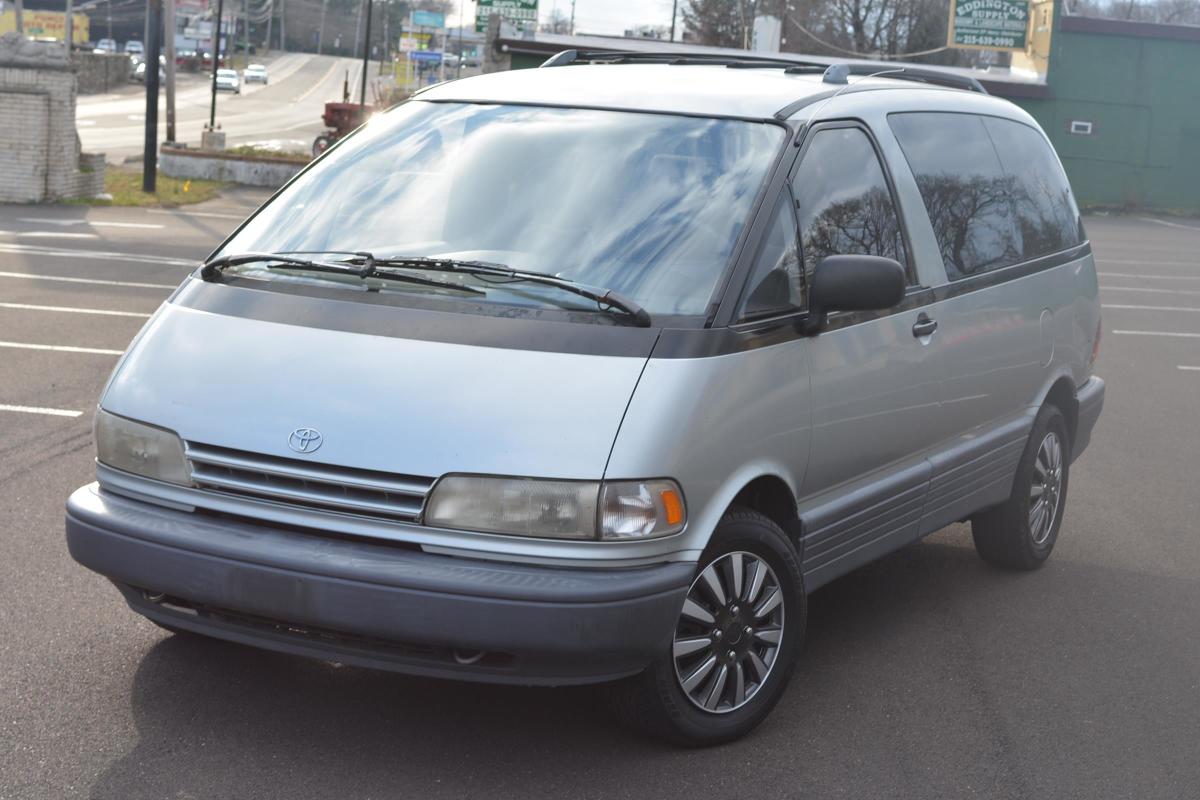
<point>774,286</point>
<point>1044,212</point>
<point>964,189</point>
<point>843,201</point>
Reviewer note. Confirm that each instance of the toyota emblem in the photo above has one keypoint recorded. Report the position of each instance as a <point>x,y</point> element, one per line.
<point>305,440</point>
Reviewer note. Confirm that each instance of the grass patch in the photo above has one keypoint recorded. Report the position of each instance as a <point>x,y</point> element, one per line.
<point>125,186</point>
<point>258,150</point>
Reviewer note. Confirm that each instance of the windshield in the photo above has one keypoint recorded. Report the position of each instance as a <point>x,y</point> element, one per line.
<point>647,205</point>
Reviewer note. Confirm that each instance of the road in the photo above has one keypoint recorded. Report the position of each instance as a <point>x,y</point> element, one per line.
<point>286,111</point>
<point>926,675</point>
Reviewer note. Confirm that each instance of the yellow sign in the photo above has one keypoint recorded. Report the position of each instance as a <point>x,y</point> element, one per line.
<point>46,25</point>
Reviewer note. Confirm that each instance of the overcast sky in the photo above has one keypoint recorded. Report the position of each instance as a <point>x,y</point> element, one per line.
<point>597,16</point>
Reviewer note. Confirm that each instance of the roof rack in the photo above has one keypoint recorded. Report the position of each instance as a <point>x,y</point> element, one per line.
<point>833,73</point>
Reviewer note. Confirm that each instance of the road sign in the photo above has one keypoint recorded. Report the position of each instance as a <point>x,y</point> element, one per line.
<point>988,24</point>
<point>524,13</point>
<point>428,56</point>
<point>428,19</point>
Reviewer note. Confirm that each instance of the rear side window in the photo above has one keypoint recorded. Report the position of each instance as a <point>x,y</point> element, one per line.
<point>843,201</point>
<point>1043,209</point>
<point>995,193</point>
<point>964,188</point>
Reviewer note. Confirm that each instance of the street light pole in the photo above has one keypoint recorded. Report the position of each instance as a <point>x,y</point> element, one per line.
<point>362,97</point>
<point>69,26</point>
<point>153,46</point>
<point>169,35</point>
<point>216,58</point>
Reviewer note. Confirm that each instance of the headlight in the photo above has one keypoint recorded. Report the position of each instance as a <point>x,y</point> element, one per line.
<point>557,509</point>
<point>141,449</point>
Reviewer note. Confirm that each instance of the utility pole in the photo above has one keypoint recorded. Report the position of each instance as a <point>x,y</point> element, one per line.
<point>572,17</point>
<point>283,25</point>
<point>68,23</point>
<point>153,47</point>
<point>674,13</point>
<point>270,19</point>
<point>461,23</point>
<point>321,29</point>
<point>169,34</point>
<point>19,10</point>
<point>216,57</point>
<point>362,97</point>
<point>246,31</point>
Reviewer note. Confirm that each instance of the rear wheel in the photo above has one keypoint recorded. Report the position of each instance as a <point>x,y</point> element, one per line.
<point>735,642</point>
<point>321,144</point>
<point>1021,532</point>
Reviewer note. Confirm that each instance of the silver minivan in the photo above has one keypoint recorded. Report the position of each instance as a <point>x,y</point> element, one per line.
<point>592,373</point>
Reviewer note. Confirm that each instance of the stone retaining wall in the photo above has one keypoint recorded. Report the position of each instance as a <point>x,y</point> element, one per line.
<point>179,162</point>
<point>98,73</point>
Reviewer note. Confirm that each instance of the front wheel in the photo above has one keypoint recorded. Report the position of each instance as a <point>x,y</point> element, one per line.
<point>735,642</point>
<point>321,144</point>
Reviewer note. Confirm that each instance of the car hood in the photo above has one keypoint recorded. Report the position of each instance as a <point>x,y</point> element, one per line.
<point>381,401</point>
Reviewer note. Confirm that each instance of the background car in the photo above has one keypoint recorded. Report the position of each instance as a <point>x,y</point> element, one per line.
<point>228,81</point>
<point>255,73</point>
<point>134,48</point>
<point>106,46</point>
<point>139,70</point>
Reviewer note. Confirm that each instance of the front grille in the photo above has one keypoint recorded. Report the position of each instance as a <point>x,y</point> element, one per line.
<point>307,484</point>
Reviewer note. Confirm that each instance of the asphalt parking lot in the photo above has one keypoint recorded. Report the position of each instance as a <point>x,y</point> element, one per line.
<point>925,675</point>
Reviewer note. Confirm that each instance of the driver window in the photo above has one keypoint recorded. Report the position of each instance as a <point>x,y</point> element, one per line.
<point>843,201</point>
<point>774,287</point>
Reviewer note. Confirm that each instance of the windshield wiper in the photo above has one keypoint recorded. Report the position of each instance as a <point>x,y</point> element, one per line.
<point>604,297</point>
<point>212,269</point>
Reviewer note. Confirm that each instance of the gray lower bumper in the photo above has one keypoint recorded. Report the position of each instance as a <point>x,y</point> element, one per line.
<point>376,605</point>
<point>1091,400</point>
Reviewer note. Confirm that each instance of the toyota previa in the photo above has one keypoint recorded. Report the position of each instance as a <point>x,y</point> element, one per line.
<point>592,373</point>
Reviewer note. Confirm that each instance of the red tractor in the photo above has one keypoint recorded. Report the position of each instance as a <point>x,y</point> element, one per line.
<point>340,118</point>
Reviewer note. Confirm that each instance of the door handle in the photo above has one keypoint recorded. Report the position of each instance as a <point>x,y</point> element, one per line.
<point>924,326</point>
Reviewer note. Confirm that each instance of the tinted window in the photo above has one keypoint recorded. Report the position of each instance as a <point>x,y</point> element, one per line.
<point>843,201</point>
<point>1044,212</point>
<point>774,286</point>
<point>964,188</point>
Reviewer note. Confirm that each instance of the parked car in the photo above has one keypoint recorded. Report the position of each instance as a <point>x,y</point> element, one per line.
<point>139,70</point>
<point>255,73</point>
<point>134,48</point>
<point>227,81</point>
<point>592,373</point>
<point>106,46</point>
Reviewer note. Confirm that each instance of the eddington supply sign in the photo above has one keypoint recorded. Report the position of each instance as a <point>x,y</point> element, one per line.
<point>989,24</point>
<point>522,13</point>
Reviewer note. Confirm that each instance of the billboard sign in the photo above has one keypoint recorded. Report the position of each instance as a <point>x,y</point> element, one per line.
<point>428,19</point>
<point>45,24</point>
<point>988,24</point>
<point>522,13</point>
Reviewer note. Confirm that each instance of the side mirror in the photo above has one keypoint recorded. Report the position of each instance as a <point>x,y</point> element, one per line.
<point>854,283</point>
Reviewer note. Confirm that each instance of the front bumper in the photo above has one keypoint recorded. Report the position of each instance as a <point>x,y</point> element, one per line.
<point>376,604</point>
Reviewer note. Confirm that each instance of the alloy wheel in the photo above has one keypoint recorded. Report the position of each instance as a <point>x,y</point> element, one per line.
<point>729,632</point>
<point>1045,491</point>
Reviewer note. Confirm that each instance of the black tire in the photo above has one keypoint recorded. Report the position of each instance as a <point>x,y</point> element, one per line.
<point>1005,535</point>
<point>321,144</point>
<point>655,701</point>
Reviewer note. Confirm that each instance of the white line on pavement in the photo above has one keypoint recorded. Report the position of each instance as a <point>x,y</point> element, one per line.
<point>70,310</point>
<point>1149,277</point>
<point>50,234</point>
<point>1161,333</point>
<point>54,412</point>
<point>1190,369</point>
<point>1148,308</point>
<point>1148,289</point>
<point>102,255</point>
<point>96,281</point>
<point>1169,224</point>
<point>93,223</point>
<point>61,348</point>
<point>1147,262</point>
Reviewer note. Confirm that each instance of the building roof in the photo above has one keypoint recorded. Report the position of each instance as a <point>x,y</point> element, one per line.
<point>710,90</point>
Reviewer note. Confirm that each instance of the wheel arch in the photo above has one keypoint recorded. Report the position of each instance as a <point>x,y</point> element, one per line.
<point>1061,395</point>
<point>771,496</point>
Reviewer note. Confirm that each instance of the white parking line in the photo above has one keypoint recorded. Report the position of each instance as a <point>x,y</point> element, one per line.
<point>50,235</point>
<point>54,412</point>
<point>1161,333</point>
<point>1148,262</point>
<point>94,224</point>
<point>1169,224</point>
<point>1149,308</point>
<point>1190,369</point>
<point>210,214</point>
<point>100,255</point>
<point>61,348</point>
<point>1148,289</point>
<point>95,281</point>
<point>71,310</point>
<point>1149,277</point>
